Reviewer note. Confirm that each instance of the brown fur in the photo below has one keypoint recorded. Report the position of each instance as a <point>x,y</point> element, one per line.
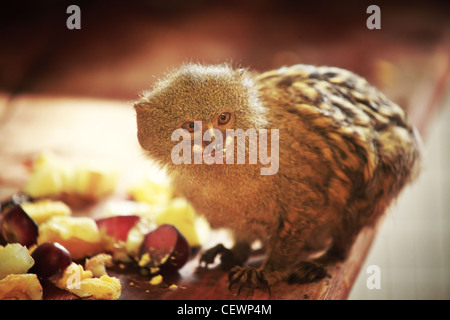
<point>345,151</point>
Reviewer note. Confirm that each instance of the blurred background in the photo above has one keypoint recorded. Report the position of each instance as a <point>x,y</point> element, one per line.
<point>71,91</point>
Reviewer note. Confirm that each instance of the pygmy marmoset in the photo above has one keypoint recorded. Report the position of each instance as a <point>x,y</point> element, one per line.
<point>344,152</point>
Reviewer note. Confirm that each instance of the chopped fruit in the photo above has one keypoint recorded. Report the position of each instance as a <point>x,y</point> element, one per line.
<point>117,227</point>
<point>98,263</point>
<point>52,176</point>
<point>94,183</point>
<point>16,226</point>
<point>167,208</point>
<point>17,198</point>
<point>46,179</point>
<point>103,288</point>
<point>20,287</point>
<point>156,280</point>
<point>14,258</point>
<point>73,274</point>
<point>50,258</point>
<point>165,248</point>
<point>180,214</point>
<point>152,192</point>
<point>79,235</point>
<point>83,284</point>
<point>42,210</point>
<point>136,236</point>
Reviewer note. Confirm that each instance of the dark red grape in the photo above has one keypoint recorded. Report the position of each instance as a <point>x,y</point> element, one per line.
<point>16,226</point>
<point>164,247</point>
<point>118,226</point>
<point>49,259</point>
<point>17,198</point>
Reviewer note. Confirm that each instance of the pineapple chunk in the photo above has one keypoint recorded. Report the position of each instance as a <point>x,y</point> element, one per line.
<point>82,283</point>
<point>169,209</point>
<point>98,263</point>
<point>72,275</point>
<point>49,176</point>
<point>136,236</point>
<point>79,235</point>
<point>158,194</point>
<point>103,288</point>
<point>156,280</point>
<point>52,176</point>
<point>20,287</point>
<point>180,214</point>
<point>43,210</point>
<point>14,258</point>
<point>93,182</point>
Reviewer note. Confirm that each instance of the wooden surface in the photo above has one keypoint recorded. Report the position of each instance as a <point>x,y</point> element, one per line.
<point>70,93</point>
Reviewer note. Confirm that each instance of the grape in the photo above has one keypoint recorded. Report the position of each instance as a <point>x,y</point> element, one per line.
<point>17,198</point>
<point>49,259</point>
<point>16,226</point>
<point>164,247</point>
<point>118,226</point>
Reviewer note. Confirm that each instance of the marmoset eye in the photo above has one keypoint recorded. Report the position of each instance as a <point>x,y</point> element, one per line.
<point>189,126</point>
<point>224,118</point>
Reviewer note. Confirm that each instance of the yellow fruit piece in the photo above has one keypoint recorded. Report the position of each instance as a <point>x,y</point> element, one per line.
<point>103,288</point>
<point>46,178</point>
<point>168,209</point>
<point>156,280</point>
<point>93,183</point>
<point>43,210</point>
<point>73,274</point>
<point>79,235</point>
<point>52,176</point>
<point>82,283</point>
<point>20,287</point>
<point>14,258</point>
<point>98,263</point>
<point>180,214</point>
<point>152,192</point>
<point>137,234</point>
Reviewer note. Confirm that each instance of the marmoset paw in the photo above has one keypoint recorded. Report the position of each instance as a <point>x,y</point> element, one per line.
<point>228,258</point>
<point>250,277</point>
<point>306,272</point>
<point>209,255</point>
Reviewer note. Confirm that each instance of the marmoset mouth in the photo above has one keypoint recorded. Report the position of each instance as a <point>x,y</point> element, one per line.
<point>212,154</point>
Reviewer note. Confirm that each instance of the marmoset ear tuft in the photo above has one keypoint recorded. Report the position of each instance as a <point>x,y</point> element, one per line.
<point>142,106</point>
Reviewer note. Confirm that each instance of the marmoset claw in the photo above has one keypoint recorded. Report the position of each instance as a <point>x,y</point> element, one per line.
<point>248,277</point>
<point>307,272</point>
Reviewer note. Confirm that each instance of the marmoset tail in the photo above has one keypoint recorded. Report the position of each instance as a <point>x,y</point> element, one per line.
<point>341,151</point>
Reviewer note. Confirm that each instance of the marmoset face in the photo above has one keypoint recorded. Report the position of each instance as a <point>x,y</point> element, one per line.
<point>217,97</point>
